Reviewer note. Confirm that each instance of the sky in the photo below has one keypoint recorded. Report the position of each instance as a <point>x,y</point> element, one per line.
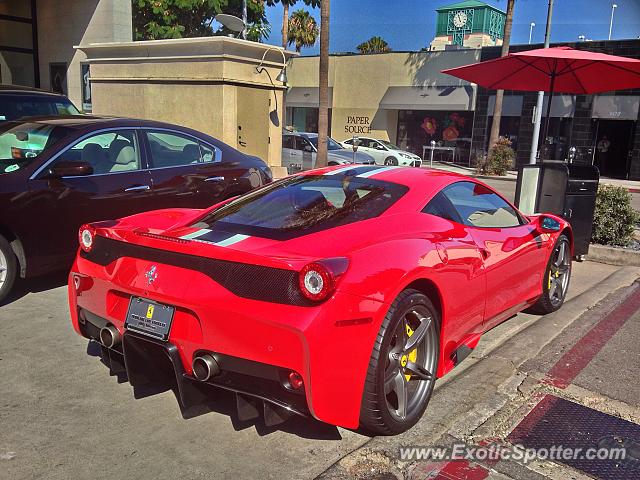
<point>410,24</point>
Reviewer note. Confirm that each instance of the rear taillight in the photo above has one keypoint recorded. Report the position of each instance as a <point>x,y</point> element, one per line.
<point>317,280</point>
<point>86,235</point>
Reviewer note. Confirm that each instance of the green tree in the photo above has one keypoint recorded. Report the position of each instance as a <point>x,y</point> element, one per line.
<point>497,109</point>
<point>374,45</point>
<point>286,4</point>
<point>158,19</point>
<point>323,86</point>
<point>303,30</point>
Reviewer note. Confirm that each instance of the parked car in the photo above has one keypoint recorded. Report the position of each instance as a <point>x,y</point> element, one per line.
<point>58,173</point>
<point>299,152</point>
<point>385,153</point>
<point>19,102</point>
<point>289,297</point>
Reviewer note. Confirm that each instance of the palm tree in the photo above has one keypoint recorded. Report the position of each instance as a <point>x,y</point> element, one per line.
<point>303,30</point>
<point>285,15</point>
<point>323,113</point>
<point>374,45</point>
<point>497,109</point>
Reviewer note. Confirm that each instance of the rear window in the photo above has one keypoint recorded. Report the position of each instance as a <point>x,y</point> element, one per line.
<point>304,204</point>
<point>21,143</point>
<point>13,107</point>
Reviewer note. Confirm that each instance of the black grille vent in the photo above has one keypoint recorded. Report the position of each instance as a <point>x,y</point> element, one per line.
<point>256,282</point>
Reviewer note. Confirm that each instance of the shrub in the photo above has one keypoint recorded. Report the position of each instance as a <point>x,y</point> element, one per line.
<point>499,160</point>
<point>614,220</point>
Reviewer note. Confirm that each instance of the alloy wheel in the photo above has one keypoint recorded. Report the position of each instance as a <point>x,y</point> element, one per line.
<point>559,273</point>
<point>411,362</point>
<point>3,268</point>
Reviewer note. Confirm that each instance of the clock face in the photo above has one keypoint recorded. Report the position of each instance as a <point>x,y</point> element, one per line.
<point>460,19</point>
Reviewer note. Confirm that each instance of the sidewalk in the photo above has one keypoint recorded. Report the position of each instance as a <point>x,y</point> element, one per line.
<point>563,379</point>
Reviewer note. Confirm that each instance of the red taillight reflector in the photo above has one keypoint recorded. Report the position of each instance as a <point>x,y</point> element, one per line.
<point>295,381</point>
<point>317,280</point>
<point>86,235</point>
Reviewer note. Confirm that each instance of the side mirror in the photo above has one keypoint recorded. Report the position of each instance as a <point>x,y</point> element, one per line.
<point>548,224</point>
<point>70,169</point>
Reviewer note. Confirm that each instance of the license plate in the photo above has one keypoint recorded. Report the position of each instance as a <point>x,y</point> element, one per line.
<point>149,318</point>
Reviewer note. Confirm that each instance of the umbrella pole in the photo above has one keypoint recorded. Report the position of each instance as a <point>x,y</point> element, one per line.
<point>548,117</point>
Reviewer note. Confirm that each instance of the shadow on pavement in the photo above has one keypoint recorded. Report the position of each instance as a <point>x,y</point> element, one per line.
<point>24,287</point>
<point>224,402</point>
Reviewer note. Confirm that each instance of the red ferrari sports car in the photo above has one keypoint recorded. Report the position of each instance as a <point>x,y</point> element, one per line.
<point>340,293</point>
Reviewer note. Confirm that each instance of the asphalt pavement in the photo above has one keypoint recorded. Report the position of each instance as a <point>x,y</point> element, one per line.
<point>63,416</point>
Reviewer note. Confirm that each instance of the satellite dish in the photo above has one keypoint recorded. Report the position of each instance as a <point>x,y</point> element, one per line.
<point>231,22</point>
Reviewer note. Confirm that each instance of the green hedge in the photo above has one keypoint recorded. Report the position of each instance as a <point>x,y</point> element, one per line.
<point>615,219</point>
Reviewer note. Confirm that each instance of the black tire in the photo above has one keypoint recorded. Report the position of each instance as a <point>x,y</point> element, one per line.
<point>391,161</point>
<point>9,262</point>
<point>377,413</point>
<point>551,300</point>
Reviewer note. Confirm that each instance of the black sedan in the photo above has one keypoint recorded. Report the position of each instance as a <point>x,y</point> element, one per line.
<point>57,173</point>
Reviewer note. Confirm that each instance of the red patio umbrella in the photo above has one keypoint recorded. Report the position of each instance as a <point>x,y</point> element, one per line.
<point>557,69</point>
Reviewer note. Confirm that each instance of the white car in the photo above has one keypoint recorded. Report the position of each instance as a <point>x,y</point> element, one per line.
<point>299,151</point>
<point>385,153</point>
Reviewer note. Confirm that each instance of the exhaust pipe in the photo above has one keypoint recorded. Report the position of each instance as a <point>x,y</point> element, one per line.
<point>204,367</point>
<point>110,336</point>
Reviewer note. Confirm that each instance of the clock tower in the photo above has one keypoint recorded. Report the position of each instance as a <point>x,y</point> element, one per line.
<point>470,24</point>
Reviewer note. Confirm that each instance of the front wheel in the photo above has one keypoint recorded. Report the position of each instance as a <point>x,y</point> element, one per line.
<point>391,161</point>
<point>403,365</point>
<point>8,268</point>
<point>555,282</point>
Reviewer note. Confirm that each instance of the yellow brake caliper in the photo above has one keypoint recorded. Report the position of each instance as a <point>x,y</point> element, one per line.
<point>412,357</point>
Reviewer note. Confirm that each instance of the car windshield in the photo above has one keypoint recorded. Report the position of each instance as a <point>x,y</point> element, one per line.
<point>331,143</point>
<point>304,204</point>
<point>21,143</point>
<point>15,106</point>
<point>389,145</point>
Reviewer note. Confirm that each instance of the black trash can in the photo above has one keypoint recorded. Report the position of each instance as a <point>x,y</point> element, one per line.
<point>567,190</point>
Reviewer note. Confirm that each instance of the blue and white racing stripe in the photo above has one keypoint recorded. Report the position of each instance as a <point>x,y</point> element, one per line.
<point>378,170</point>
<point>218,238</point>
<point>361,171</point>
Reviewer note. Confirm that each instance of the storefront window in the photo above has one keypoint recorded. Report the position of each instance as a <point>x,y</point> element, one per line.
<point>556,145</point>
<point>17,68</point>
<point>509,128</point>
<point>450,130</point>
<point>16,8</point>
<point>304,119</point>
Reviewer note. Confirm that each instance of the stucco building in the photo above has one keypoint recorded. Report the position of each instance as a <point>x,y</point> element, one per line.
<point>37,39</point>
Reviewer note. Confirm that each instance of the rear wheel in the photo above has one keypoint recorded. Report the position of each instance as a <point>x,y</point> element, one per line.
<point>555,282</point>
<point>8,268</point>
<point>391,161</point>
<point>403,366</point>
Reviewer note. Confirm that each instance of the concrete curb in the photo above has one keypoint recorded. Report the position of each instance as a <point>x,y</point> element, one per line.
<point>614,255</point>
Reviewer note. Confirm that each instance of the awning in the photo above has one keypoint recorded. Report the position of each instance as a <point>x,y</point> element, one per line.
<point>616,107</point>
<point>511,105</point>
<point>306,97</point>
<point>429,98</point>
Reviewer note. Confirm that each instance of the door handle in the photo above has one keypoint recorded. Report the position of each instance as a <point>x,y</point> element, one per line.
<point>137,188</point>
<point>214,179</point>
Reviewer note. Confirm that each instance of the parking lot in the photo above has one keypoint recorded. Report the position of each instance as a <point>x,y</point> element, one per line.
<point>65,417</point>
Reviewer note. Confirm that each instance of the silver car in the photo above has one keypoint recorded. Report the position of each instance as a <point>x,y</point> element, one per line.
<point>299,152</point>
